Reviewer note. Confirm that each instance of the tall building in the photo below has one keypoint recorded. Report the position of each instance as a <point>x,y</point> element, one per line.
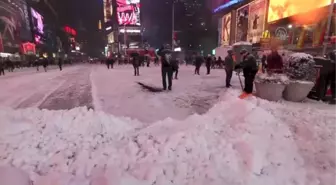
<point>123,26</point>
<point>15,27</point>
<point>195,30</point>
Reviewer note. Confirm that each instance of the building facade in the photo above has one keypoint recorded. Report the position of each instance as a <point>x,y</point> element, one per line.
<point>294,24</point>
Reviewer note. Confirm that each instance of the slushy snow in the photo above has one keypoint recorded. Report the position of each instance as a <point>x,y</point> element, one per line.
<point>237,142</point>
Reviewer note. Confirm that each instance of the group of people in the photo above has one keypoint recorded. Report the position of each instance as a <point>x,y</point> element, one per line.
<point>44,62</point>
<point>249,67</point>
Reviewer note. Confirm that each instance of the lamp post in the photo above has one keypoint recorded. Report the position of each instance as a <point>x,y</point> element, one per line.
<point>326,37</point>
<point>173,24</point>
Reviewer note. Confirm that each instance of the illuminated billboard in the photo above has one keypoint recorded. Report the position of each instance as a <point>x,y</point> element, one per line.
<point>226,29</point>
<point>279,9</point>
<point>242,23</point>
<point>108,10</point>
<point>14,22</point>
<point>257,13</point>
<point>38,25</point>
<point>128,12</point>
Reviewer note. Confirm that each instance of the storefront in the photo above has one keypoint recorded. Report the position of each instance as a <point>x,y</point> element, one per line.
<point>300,29</point>
<point>294,24</point>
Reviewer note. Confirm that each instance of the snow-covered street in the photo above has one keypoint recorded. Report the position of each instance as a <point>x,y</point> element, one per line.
<point>88,125</point>
<point>113,91</point>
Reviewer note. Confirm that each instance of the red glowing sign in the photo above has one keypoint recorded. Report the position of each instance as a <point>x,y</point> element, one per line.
<point>128,12</point>
<point>28,48</point>
<point>70,30</point>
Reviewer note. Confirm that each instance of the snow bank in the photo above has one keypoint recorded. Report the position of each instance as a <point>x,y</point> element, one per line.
<point>236,142</point>
<point>242,43</point>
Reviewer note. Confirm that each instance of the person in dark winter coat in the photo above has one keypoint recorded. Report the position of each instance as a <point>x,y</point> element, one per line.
<point>109,63</point>
<point>10,65</point>
<point>219,62</point>
<point>250,69</point>
<point>60,64</point>
<point>198,63</point>
<point>274,62</point>
<point>37,64</point>
<point>208,64</point>
<point>229,66</point>
<point>45,64</point>
<point>175,64</point>
<point>135,57</point>
<point>166,67</point>
<point>2,68</point>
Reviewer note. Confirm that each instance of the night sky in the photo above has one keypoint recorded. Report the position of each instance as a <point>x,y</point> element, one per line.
<point>156,19</point>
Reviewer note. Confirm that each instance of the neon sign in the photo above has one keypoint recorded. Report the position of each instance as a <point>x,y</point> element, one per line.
<point>226,5</point>
<point>70,30</point>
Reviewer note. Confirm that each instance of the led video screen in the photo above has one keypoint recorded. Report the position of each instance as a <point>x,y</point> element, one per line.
<point>128,12</point>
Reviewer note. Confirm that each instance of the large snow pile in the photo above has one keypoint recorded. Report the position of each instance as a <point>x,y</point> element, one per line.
<point>242,43</point>
<point>237,142</point>
<point>300,66</point>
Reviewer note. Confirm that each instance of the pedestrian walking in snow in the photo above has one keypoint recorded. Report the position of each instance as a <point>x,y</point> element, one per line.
<point>10,65</point>
<point>229,66</point>
<point>37,64</point>
<point>175,64</point>
<point>198,63</point>
<point>60,64</point>
<point>250,69</point>
<point>2,68</point>
<point>166,67</point>
<point>135,57</point>
<point>208,64</point>
<point>45,64</point>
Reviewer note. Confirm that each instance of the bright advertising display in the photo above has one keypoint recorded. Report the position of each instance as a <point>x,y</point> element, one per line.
<point>279,9</point>
<point>242,23</point>
<point>226,29</point>
<point>257,13</point>
<point>14,22</point>
<point>108,10</point>
<point>38,25</point>
<point>128,12</point>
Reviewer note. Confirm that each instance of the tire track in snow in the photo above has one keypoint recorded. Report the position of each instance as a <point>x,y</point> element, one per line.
<point>75,92</point>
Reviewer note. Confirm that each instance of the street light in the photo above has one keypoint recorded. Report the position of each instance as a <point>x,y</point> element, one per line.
<point>173,24</point>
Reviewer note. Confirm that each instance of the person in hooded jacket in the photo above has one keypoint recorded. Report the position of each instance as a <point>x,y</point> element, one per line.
<point>166,67</point>
<point>250,69</point>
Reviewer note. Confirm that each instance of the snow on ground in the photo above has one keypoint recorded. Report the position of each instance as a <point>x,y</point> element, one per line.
<point>116,92</point>
<point>22,90</point>
<point>237,142</point>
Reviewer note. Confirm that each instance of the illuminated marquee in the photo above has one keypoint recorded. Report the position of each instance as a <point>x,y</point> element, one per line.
<point>128,12</point>
<point>279,9</point>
